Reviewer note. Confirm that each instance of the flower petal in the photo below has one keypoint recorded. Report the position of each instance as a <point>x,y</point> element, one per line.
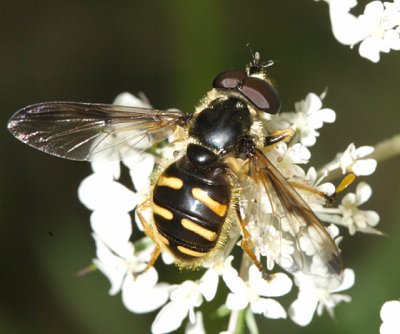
<point>390,309</point>
<point>197,327</point>
<point>108,169</point>
<point>234,282</point>
<point>170,317</point>
<point>110,265</point>
<point>280,284</point>
<point>140,169</point>
<point>209,284</point>
<point>128,99</point>
<point>140,297</point>
<point>302,309</point>
<point>369,48</point>
<point>270,308</point>
<point>317,119</point>
<point>346,27</point>
<point>363,193</point>
<point>364,167</point>
<point>97,192</point>
<point>236,302</point>
<point>114,228</point>
<point>349,278</point>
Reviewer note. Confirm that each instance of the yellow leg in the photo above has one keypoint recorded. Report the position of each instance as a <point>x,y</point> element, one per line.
<point>329,199</point>
<point>302,186</point>
<point>247,245</point>
<point>148,230</point>
<point>346,181</point>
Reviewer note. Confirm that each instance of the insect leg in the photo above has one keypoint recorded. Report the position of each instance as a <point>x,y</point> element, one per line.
<point>346,181</point>
<point>305,187</point>
<point>148,230</point>
<point>247,245</point>
<point>278,136</point>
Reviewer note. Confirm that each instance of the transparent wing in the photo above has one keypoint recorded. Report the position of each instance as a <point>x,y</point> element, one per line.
<point>81,131</point>
<point>285,228</point>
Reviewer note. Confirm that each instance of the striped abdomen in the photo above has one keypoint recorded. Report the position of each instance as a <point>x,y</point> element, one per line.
<point>190,207</point>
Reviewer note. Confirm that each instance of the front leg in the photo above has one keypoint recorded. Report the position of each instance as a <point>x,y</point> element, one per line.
<point>277,136</point>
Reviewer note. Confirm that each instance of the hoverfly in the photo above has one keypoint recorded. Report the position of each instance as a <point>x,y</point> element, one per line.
<point>221,176</point>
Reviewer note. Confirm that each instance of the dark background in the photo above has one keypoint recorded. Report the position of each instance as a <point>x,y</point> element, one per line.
<point>93,50</point>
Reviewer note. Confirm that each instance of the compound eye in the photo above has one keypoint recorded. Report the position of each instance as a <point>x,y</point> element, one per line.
<point>261,94</point>
<point>229,79</point>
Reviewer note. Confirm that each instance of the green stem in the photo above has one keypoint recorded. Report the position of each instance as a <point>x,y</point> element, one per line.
<point>236,322</point>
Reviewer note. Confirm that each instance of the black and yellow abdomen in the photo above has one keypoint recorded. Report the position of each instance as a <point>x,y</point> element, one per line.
<point>190,206</point>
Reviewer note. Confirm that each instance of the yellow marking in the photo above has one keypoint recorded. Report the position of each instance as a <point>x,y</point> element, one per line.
<point>190,252</point>
<point>200,230</point>
<point>171,182</point>
<point>162,212</point>
<point>163,239</point>
<point>202,196</point>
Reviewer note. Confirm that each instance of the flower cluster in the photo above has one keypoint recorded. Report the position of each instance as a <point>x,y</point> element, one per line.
<point>377,29</point>
<point>122,261</point>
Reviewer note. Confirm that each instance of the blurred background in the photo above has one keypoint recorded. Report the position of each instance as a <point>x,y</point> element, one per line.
<point>93,50</point>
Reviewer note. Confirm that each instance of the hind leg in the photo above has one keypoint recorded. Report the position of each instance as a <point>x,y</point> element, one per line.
<point>248,246</point>
<point>149,231</point>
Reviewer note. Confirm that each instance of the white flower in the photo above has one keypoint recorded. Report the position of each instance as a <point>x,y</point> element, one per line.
<point>315,200</point>
<point>351,161</point>
<point>347,28</point>
<point>377,29</point>
<point>110,200</point>
<point>255,289</point>
<point>190,295</point>
<point>308,117</point>
<point>286,159</point>
<point>270,243</point>
<point>381,35</point>
<point>312,180</point>
<point>123,262</point>
<point>390,315</point>
<point>184,298</point>
<point>139,294</point>
<point>111,222</point>
<point>312,298</point>
<point>354,218</point>
<point>348,213</point>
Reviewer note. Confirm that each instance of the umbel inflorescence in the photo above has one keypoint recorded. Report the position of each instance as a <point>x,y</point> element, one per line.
<point>121,260</point>
<point>227,175</point>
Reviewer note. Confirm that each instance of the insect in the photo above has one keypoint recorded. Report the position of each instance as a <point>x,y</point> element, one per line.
<point>220,178</point>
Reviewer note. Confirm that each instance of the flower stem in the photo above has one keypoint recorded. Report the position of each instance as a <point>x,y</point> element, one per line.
<point>386,149</point>
<point>236,323</point>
